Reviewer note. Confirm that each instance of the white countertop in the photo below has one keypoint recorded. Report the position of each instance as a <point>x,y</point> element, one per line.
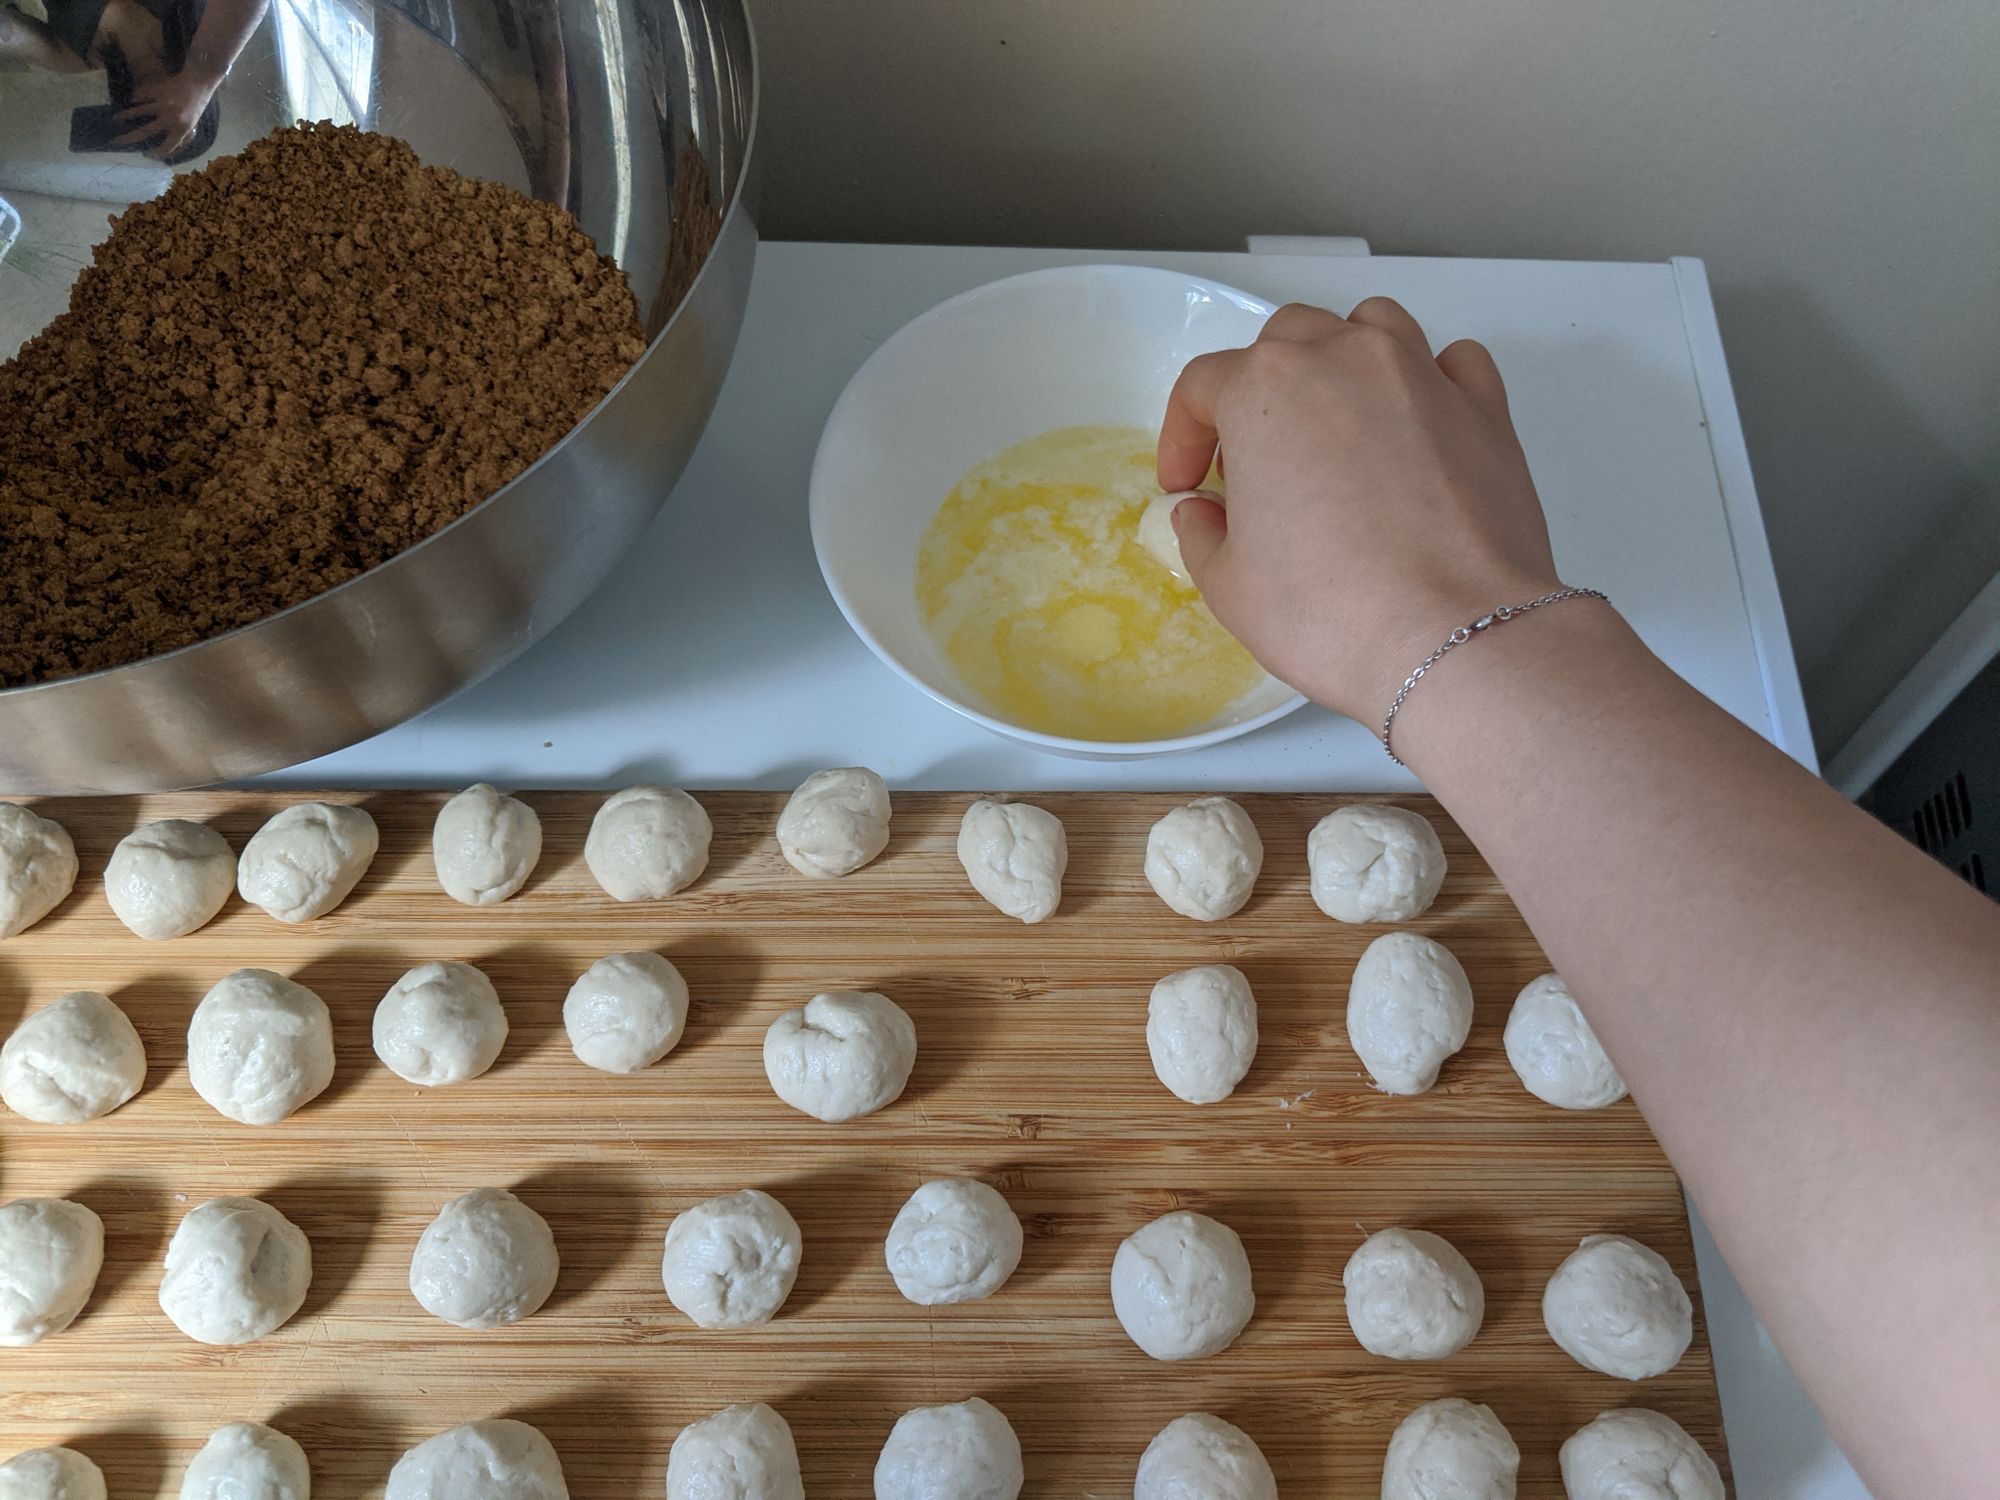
<point>713,657</point>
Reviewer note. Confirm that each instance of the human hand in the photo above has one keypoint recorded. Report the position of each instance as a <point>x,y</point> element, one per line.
<point>1378,498</point>
<point>165,112</point>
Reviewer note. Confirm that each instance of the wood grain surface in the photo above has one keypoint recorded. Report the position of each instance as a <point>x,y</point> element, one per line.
<point>1031,1073</point>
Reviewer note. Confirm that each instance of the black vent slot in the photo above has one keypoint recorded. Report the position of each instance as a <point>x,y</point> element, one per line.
<point>1935,790</point>
<point>1944,817</point>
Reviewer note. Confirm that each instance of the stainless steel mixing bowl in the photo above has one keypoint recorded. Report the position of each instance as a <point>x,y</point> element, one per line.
<point>601,105</point>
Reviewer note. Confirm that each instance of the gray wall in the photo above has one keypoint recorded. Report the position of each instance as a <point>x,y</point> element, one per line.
<point>1836,162</point>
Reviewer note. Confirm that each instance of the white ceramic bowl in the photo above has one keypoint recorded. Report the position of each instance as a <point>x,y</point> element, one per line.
<point>1064,347</point>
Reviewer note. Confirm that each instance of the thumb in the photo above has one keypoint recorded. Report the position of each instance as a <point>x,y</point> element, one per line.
<point>1201,525</point>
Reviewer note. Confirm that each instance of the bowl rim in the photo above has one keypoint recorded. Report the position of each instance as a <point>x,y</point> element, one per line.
<point>819,519</point>
<point>733,205</point>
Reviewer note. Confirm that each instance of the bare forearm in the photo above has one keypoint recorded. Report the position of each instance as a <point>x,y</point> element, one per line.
<point>225,26</point>
<point>1807,1010</point>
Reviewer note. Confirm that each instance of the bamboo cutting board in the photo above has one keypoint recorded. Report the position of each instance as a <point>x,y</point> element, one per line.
<point>1031,1073</point>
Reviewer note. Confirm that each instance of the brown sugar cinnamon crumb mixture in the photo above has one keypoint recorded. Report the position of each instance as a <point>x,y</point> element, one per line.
<point>291,366</point>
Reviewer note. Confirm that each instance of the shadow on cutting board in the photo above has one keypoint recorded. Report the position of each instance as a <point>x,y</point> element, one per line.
<point>338,1216</point>
<point>137,1218</point>
<point>576,1423</point>
<point>134,1458</point>
<point>350,1425</point>
<point>597,1218</point>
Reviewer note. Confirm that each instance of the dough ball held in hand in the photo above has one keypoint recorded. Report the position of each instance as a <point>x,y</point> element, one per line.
<point>248,1461</point>
<point>440,1024</point>
<point>169,878</point>
<point>497,1460</point>
<point>626,1013</point>
<point>1635,1452</point>
<point>648,842</point>
<point>260,1046</point>
<point>740,1453</point>
<point>50,1253</point>
<point>836,822</point>
<point>1372,863</point>
<point>1616,1307</point>
<point>1450,1450</point>
<point>731,1261</point>
<point>1411,1295</point>
<point>485,1261</point>
<point>1202,859</point>
<point>306,859</point>
<point>75,1059</point>
<point>237,1269</point>
<point>1015,856</point>
<point>1200,1457</point>
<point>1554,1051</point>
<point>1157,534</point>
<point>1201,1030</point>
<point>37,869</point>
<point>841,1055</point>
<point>1181,1287</point>
<point>967,1451</point>
<point>51,1474</point>
<point>485,845</point>
<point>955,1240</point>
<point>1409,1007</point>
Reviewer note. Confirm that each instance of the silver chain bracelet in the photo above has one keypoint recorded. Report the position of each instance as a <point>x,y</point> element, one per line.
<point>1465,633</point>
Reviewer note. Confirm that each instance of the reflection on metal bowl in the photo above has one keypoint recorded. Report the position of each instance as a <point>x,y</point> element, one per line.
<point>638,116</point>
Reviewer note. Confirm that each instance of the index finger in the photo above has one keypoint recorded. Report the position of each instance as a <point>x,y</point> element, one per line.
<point>1187,431</point>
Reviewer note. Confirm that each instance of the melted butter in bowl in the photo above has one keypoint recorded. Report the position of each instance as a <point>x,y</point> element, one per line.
<point>1010,580</point>
<point>1032,582</point>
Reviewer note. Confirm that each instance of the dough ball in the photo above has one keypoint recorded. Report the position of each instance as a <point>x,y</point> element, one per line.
<point>305,860</point>
<point>1554,1050</point>
<point>626,1012</point>
<point>1372,863</point>
<point>962,1452</point>
<point>485,845</point>
<point>1014,855</point>
<point>486,1260</point>
<point>956,1240</point>
<point>37,869</point>
<point>1181,1286</point>
<point>1203,859</point>
<point>1157,534</point>
<point>71,1061</point>
<point>1450,1450</point>
<point>259,1046</point>
<point>248,1461</point>
<point>1636,1454</point>
<point>169,878</point>
<point>841,1055</point>
<point>731,1261</point>
<point>648,842</point>
<point>740,1453</point>
<point>1201,1029</point>
<point>496,1460</point>
<point>1616,1307</point>
<point>50,1253</point>
<point>1200,1457</point>
<point>1409,1007</point>
<point>1411,1295</point>
<point>835,822</point>
<point>51,1474</point>
<point>439,1024</point>
<point>237,1269</point>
